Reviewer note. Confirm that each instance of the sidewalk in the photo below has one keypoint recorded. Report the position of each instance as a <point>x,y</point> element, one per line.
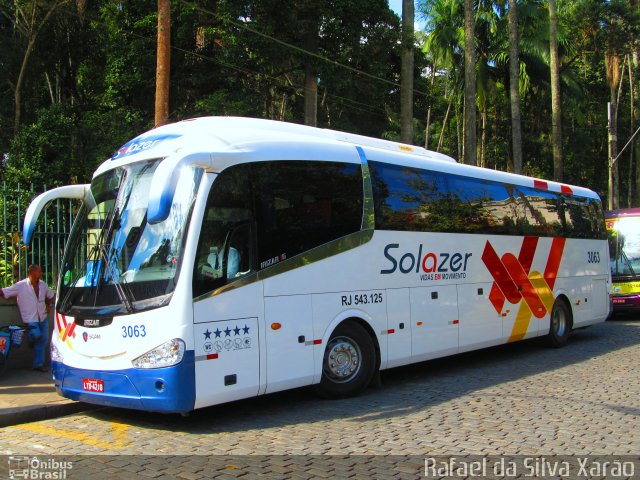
<point>29,396</point>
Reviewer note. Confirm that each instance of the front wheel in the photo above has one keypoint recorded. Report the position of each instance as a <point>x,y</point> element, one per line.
<point>348,363</point>
<point>560,327</point>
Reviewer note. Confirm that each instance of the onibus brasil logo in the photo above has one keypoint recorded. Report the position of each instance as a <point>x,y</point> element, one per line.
<point>38,468</point>
<point>514,282</point>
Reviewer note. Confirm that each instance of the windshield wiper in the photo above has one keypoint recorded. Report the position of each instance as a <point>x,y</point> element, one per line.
<point>124,294</point>
<point>71,288</point>
<point>122,290</point>
<point>627,262</point>
<point>99,250</point>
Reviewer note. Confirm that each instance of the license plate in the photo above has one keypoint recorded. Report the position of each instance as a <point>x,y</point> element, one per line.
<point>93,385</point>
<point>618,300</point>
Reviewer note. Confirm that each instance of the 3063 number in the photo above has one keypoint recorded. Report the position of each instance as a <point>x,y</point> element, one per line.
<point>134,331</point>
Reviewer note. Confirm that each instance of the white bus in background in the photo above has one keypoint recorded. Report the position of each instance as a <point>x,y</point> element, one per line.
<point>222,258</point>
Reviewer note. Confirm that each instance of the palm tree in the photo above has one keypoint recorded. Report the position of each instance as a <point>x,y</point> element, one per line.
<point>470,156</point>
<point>556,110</point>
<point>443,40</point>
<point>514,90</point>
<point>620,24</point>
<point>406,78</point>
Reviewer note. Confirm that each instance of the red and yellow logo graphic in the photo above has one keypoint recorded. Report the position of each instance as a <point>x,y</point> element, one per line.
<point>66,329</point>
<point>514,282</point>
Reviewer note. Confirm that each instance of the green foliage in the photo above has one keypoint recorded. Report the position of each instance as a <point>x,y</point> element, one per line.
<point>10,256</point>
<point>90,81</point>
<point>40,151</point>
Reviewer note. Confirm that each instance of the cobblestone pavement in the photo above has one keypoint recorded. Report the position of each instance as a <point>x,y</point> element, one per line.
<point>519,399</point>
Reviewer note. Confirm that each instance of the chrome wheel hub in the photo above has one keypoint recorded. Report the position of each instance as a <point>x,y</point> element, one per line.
<point>342,359</point>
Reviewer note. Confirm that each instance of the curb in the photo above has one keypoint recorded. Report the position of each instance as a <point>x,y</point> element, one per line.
<point>42,412</point>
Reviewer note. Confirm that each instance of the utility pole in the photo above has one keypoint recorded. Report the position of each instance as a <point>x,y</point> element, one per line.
<point>613,147</point>
<point>163,63</point>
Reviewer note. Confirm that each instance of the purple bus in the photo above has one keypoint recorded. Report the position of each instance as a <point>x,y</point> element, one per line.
<point>623,227</point>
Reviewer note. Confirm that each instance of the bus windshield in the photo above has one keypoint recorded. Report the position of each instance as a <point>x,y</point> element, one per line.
<point>116,262</point>
<point>624,244</point>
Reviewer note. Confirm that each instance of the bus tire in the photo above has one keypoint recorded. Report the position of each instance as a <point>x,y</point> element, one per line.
<point>560,324</point>
<point>348,364</point>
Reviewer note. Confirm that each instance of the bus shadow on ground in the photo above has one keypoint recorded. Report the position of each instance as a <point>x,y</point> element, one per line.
<point>403,390</point>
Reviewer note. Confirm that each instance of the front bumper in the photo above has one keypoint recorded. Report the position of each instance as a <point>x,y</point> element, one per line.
<point>169,390</point>
<point>626,303</point>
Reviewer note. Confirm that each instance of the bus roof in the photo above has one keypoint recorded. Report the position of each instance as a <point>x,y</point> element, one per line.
<point>222,136</point>
<point>238,131</point>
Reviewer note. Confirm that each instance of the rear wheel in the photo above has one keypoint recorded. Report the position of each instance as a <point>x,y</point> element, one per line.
<point>560,327</point>
<point>348,363</point>
<point>3,363</point>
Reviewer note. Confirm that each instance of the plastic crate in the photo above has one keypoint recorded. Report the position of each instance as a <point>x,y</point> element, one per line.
<point>17,335</point>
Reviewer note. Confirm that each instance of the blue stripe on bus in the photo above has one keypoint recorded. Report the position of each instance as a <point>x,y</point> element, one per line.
<point>168,390</point>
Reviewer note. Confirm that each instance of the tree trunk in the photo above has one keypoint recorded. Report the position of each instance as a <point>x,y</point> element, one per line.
<point>33,31</point>
<point>310,25</point>
<point>469,85</point>
<point>444,125</point>
<point>428,127</point>
<point>406,76</point>
<point>163,63</point>
<point>556,109</point>
<point>310,97</point>
<point>613,195</point>
<point>483,137</point>
<point>635,55</point>
<point>613,71</point>
<point>459,132</point>
<point>514,90</point>
<point>17,94</point>
<point>632,129</point>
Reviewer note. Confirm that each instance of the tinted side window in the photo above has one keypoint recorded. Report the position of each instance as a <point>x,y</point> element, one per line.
<point>586,218</point>
<point>542,213</point>
<point>301,205</point>
<point>412,199</point>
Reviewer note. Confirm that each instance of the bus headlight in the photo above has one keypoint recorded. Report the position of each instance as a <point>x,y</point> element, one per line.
<point>165,355</point>
<point>56,356</point>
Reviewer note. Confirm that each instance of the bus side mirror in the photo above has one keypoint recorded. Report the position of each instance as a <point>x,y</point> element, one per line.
<point>165,180</point>
<point>35,207</point>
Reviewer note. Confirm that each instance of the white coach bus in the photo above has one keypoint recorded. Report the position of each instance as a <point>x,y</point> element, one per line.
<point>222,258</point>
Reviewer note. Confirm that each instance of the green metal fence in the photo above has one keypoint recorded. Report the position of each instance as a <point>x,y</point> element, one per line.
<point>49,238</point>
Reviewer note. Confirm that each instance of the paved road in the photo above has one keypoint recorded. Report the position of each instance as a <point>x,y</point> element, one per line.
<point>520,399</point>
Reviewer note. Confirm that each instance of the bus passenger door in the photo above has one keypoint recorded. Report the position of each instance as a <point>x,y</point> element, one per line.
<point>434,322</point>
<point>289,341</point>
<point>227,305</point>
<point>227,342</point>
